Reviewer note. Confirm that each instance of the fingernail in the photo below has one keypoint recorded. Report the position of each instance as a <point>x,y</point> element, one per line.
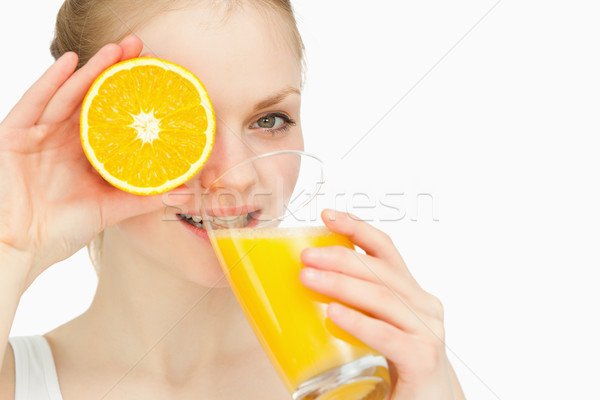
<point>335,309</point>
<point>353,217</point>
<point>311,274</point>
<point>330,215</point>
<point>312,253</point>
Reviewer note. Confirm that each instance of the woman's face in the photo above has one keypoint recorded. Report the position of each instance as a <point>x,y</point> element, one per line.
<point>246,61</point>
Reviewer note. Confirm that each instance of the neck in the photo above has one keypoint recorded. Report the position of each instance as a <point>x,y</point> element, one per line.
<point>171,324</point>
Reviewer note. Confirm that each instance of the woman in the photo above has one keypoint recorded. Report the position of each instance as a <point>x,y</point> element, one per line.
<point>162,324</point>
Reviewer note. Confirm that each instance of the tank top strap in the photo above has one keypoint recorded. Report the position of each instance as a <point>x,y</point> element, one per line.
<point>35,372</point>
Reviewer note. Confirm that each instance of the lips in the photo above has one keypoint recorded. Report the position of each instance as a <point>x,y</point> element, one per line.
<point>222,219</point>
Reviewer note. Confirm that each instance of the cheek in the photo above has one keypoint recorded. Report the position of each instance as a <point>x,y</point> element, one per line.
<point>291,140</point>
<point>296,138</point>
<point>277,178</point>
<point>295,141</point>
<point>289,175</point>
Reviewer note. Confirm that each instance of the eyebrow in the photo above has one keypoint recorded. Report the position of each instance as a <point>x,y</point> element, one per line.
<point>275,99</point>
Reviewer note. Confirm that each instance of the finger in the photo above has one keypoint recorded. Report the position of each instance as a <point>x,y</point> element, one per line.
<point>362,266</point>
<point>71,94</point>
<point>118,205</point>
<point>132,47</point>
<point>373,241</point>
<point>367,237</point>
<point>28,110</point>
<point>415,357</point>
<point>375,299</point>
<point>149,55</point>
<point>377,334</point>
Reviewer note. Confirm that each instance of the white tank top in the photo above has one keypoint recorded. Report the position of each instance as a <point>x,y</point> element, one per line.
<point>35,373</point>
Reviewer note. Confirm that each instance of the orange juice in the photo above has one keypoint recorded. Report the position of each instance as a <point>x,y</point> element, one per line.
<point>262,266</point>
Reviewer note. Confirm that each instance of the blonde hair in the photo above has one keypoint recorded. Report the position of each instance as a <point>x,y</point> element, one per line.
<point>84,26</point>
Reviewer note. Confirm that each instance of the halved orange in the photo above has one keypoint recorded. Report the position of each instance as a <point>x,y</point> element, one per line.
<point>147,125</point>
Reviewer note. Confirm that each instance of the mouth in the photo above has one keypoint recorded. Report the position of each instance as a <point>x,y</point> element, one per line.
<point>231,221</point>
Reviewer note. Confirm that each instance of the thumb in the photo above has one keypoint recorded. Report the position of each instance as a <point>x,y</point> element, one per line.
<point>119,205</point>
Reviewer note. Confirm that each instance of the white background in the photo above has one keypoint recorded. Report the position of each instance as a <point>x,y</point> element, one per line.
<point>502,135</point>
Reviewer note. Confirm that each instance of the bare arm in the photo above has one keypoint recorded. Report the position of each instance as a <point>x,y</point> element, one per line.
<point>14,268</point>
<point>52,202</point>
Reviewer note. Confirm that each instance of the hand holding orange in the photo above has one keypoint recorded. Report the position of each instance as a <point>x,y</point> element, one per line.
<point>62,200</point>
<point>147,125</point>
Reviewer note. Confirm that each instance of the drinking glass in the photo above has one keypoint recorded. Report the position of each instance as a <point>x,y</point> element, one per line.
<point>260,215</point>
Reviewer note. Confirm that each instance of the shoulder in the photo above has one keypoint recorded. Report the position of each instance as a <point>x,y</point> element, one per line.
<point>7,375</point>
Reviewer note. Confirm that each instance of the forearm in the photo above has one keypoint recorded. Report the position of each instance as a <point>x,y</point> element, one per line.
<point>14,268</point>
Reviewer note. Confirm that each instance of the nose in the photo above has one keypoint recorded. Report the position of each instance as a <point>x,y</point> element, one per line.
<point>229,149</point>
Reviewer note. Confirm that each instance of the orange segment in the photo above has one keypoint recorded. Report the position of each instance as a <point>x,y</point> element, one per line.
<point>183,145</point>
<point>147,125</point>
<point>192,118</point>
<point>106,140</point>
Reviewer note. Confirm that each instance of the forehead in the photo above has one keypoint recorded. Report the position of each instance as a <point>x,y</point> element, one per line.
<point>239,54</point>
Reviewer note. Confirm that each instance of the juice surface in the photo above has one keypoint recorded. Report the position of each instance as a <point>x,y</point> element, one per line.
<point>262,266</point>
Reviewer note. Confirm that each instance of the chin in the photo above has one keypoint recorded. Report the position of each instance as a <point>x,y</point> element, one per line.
<point>169,244</point>
<point>206,273</point>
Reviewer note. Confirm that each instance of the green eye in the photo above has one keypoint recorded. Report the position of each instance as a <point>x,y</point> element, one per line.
<point>273,123</point>
<point>268,122</point>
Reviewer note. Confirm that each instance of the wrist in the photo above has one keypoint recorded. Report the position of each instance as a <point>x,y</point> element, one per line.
<point>436,383</point>
<point>15,266</point>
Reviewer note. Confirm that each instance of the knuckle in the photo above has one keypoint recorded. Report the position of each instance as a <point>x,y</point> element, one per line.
<point>385,334</point>
<point>385,238</point>
<point>334,283</point>
<point>340,253</point>
<point>38,133</point>
<point>382,294</point>
<point>436,307</point>
<point>430,358</point>
<point>435,333</point>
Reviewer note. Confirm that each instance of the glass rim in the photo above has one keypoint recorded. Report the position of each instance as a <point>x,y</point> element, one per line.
<point>301,153</point>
